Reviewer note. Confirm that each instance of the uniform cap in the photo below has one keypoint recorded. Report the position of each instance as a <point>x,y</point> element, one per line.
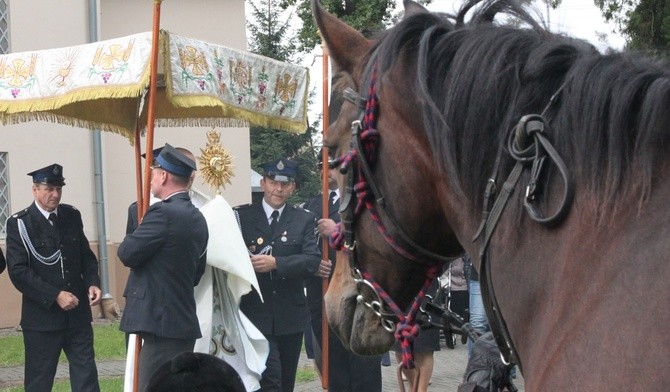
<point>281,170</point>
<point>51,175</point>
<point>173,161</point>
<point>156,152</point>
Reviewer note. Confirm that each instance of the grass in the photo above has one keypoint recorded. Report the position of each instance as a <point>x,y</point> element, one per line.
<point>305,374</point>
<point>108,341</point>
<point>106,384</point>
<point>109,344</point>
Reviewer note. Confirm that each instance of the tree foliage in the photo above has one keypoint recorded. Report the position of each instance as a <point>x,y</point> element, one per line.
<point>366,16</point>
<point>270,36</point>
<point>644,23</point>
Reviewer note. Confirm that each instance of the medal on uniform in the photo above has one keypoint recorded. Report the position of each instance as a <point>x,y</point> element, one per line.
<point>259,241</point>
<point>252,248</point>
<point>283,237</point>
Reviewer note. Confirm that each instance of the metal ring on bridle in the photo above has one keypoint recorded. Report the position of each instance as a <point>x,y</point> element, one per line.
<point>375,305</point>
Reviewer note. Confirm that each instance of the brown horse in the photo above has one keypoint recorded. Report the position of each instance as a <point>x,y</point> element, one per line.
<point>573,248</point>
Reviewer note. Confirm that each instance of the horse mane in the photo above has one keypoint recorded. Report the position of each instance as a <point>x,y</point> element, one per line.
<point>611,123</point>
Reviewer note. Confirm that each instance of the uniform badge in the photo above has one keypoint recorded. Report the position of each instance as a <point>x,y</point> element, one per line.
<point>252,248</point>
<point>283,237</point>
<point>259,241</point>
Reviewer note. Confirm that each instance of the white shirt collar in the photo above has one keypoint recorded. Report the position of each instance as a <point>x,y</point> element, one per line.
<point>45,212</point>
<point>268,210</point>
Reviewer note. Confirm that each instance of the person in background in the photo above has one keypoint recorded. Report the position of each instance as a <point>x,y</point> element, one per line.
<point>282,245</point>
<point>3,263</point>
<point>478,318</point>
<point>196,199</point>
<point>167,255</point>
<point>347,371</point>
<point>50,262</point>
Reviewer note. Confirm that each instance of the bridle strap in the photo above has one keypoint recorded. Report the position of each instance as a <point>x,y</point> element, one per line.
<point>360,182</point>
<point>379,200</point>
<point>527,144</point>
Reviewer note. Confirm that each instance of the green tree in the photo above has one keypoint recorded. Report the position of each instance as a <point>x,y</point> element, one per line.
<point>644,23</point>
<point>366,16</point>
<point>270,36</point>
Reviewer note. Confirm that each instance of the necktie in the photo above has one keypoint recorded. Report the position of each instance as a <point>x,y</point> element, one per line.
<point>273,223</point>
<point>52,218</point>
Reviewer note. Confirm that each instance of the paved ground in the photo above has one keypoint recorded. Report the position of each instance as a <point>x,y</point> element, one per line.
<point>449,368</point>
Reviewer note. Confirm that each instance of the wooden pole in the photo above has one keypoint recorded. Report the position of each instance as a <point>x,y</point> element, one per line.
<point>153,79</point>
<point>325,208</point>
<point>138,174</point>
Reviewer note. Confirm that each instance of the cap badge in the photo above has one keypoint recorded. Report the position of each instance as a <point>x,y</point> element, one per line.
<point>55,170</point>
<point>280,165</point>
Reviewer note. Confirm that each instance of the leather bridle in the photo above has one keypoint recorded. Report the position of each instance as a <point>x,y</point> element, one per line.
<point>363,193</point>
<point>528,145</point>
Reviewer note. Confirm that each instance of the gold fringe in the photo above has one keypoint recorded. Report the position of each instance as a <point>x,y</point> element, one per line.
<point>66,120</point>
<point>93,93</point>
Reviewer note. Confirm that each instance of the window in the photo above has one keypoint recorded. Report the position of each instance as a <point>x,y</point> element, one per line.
<point>4,27</point>
<point>5,210</point>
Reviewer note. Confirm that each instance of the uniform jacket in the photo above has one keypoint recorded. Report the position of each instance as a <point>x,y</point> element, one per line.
<point>166,254</point>
<point>2,261</point>
<point>284,310</point>
<point>40,283</point>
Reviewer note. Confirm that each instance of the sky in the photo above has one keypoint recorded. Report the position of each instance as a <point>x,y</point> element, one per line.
<point>578,18</point>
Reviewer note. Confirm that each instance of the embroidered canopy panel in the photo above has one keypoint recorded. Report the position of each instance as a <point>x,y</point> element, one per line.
<point>103,85</point>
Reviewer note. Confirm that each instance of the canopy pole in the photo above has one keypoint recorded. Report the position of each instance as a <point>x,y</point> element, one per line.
<point>138,173</point>
<point>325,206</point>
<point>155,46</point>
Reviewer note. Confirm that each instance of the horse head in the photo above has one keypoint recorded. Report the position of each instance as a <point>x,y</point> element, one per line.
<point>542,158</point>
<point>393,243</point>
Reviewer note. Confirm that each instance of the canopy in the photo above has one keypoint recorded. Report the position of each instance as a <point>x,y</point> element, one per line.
<point>102,86</point>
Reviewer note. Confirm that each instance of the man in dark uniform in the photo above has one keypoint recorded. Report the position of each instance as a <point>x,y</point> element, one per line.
<point>347,371</point>
<point>166,254</point>
<point>50,262</point>
<point>283,253</point>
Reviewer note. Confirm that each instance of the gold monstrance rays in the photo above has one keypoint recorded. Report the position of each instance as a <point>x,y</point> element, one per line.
<point>216,164</point>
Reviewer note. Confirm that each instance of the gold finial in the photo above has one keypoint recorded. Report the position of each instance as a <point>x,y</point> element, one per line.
<point>215,162</point>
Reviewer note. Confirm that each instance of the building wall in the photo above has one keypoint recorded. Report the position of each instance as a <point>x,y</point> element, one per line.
<point>39,24</point>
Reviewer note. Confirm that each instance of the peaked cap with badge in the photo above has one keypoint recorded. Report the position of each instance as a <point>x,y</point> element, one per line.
<point>282,170</point>
<point>49,175</point>
<point>173,161</point>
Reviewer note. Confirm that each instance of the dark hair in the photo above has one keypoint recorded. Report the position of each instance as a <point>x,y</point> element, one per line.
<point>195,372</point>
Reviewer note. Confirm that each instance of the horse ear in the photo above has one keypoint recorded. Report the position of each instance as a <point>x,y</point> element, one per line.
<point>345,45</point>
<point>412,8</point>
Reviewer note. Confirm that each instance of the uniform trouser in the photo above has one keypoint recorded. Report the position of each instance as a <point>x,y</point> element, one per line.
<point>156,351</point>
<point>282,363</point>
<point>42,349</point>
<point>349,372</point>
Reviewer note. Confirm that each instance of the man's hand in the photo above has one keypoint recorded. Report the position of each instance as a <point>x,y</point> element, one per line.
<point>326,227</point>
<point>325,267</point>
<point>67,300</point>
<point>263,263</point>
<point>94,295</point>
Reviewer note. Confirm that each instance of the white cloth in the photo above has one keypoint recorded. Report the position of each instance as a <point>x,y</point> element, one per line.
<point>226,331</point>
